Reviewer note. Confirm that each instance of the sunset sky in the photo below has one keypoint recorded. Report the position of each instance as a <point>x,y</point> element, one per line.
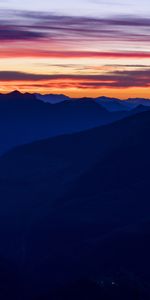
<point>78,48</point>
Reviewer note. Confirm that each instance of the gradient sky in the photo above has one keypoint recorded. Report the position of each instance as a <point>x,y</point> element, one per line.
<point>79,48</point>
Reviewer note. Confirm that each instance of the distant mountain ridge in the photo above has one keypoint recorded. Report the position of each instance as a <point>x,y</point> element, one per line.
<point>29,117</point>
<point>110,103</point>
<point>52,98</point>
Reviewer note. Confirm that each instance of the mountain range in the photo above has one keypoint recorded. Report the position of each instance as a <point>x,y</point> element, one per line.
<point>112,104</point>
<point>25,118</point>
<point>77,206</point>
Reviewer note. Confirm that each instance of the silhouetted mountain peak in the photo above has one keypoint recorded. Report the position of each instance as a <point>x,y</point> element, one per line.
<point>15,93</point>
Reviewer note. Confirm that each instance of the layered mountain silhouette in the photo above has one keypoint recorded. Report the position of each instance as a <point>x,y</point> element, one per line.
<point>25,118</point>
<point>52,98</point>
<point>111,104</point>
<point>77,206</point>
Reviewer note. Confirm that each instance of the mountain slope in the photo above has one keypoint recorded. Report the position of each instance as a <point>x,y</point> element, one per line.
<point>25,119</point>
<point>78,205</point>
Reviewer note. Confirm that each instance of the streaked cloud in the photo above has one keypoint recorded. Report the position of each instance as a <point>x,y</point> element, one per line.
<point>115,79</point>
<point>67,29</point>
<point>55,50</point>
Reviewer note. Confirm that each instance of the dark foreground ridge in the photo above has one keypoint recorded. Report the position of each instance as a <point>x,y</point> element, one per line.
<point>77,206</point>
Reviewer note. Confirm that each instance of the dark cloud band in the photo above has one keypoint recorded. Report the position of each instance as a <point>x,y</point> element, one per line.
<point>117,79</point>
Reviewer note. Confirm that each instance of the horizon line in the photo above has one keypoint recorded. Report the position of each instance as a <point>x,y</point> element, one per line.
<point>61,94</point>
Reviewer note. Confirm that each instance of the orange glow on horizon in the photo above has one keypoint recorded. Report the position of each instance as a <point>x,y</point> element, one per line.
<point>72,91</point>
<point>80,56</point>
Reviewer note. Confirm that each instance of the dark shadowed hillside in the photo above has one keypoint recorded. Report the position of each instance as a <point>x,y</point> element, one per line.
<point>78,206</point>
<point>24,119</point>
